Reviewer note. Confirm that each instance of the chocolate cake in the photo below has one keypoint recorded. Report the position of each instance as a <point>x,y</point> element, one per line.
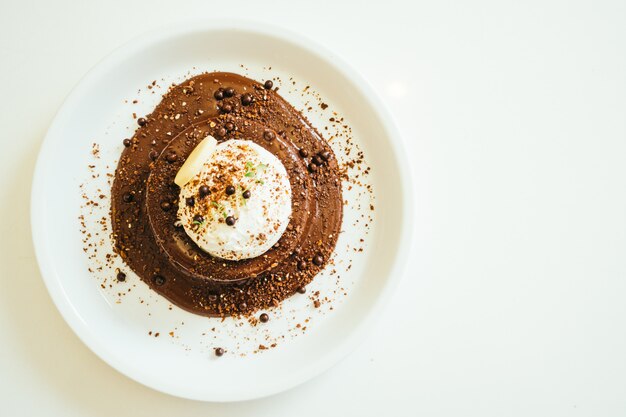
<point>145,199</point>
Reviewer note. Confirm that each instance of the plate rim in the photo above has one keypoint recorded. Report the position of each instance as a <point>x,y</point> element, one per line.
<point>326,359</point>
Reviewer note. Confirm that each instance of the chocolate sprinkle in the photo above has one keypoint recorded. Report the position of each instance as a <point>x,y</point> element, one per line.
<point>246,99</point>
<point>318,260</point>
<point>269,135</point>
<point>204,190</point>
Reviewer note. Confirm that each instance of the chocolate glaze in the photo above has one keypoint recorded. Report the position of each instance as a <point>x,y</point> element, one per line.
<point>164,256</point>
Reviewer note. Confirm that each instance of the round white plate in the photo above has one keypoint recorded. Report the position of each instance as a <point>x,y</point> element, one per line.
<point>120,326</point>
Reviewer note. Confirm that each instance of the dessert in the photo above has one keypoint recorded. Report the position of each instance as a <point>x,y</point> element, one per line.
<point>226,200</point>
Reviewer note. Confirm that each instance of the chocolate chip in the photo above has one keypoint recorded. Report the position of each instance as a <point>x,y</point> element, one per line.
<point>325,155</point>
<point>243,306</point>
<point>246,194</point>
<point>166,205</point>
<point>264,318</point>
<point>230,190</point>
<point>153,155</point>
<point>296,252</point>
<point>302,265</point>
<point>318,260</point>
<point>229,126</point>
<point>282,133</point>
<point>219,351</point>
<point>141,121</point>
<point>171,157</point>
<point>198,218</point>
<point>204,190</point>
<point>230,220</point>
<point>190,201</point>
<point>312,168</point>
<point>229,92</point>
<point>159,280</point>
<point>128,197</point>
<point>303,152</point>
<point>269,135</point>
<point>221,132</point>
<point>246,99</point>
<point>218,94</point>
<point>268,84</point>
<point>317,160</point>
<point>121,277</point>
<point>301,290</point>
<point>126,142</point>
<point>227,108</point>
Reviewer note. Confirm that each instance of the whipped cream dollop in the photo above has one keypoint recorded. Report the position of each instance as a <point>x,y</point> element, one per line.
<point>238,205</point>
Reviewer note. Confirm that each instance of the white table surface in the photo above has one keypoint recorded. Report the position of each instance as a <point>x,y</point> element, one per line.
<point>514,117</point>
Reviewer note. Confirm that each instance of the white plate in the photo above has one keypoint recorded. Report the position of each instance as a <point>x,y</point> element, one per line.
<point>184,364</point>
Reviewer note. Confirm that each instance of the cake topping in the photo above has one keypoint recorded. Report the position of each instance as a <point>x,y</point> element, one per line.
<point>195,161</point>
<point>269,135</point>
<point>318,260</point>
<point>204,190</point>
<point>246,99</point>
<point>249,206</point>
